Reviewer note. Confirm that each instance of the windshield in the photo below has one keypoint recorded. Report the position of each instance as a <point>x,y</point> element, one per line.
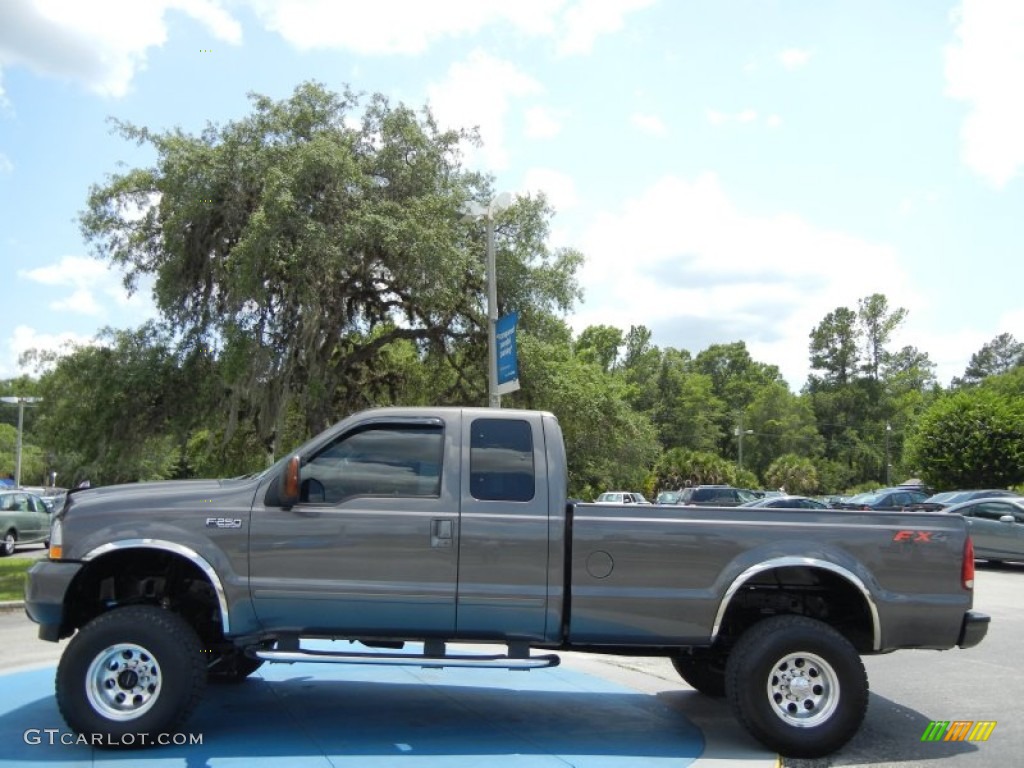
<point>950,497</point>
<point>866,498</point>
<point>610,497</point>
<point>668,497</point>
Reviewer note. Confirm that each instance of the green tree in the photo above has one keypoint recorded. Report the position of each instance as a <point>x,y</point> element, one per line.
<point>835,348</point>
<point>877,323</point>
<point>797,474</point>
<point>679,467</point>
<point>124,410</point>
<point>600,344</point>
<point>301,242</point>
<point>970,439</point>
<point>1002,354</point>
<point>608,445</point>
<point>781,423</point>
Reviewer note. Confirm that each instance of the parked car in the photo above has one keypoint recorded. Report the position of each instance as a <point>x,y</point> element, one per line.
<point>996,526</point>
<point>621,497</point>
<point>715,496</point>
<point>940,501</point>
<point>888,499</point>
<point>668,497</point>
<point>24,519</point>
<point>786,502</point>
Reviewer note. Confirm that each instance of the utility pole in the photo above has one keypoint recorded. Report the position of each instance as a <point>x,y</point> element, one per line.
<point>739,431</point>
<point>888,466</point>
<point>21,402</point>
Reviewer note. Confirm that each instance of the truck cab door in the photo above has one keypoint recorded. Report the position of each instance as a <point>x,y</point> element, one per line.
<point>504,569</point>
<point>371,549</point>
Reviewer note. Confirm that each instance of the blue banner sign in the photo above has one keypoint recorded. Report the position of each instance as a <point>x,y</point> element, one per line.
<point>508,361</point>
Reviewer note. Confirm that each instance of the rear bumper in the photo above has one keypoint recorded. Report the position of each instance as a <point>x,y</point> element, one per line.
<point>45,589</point>
<point>973,629</point>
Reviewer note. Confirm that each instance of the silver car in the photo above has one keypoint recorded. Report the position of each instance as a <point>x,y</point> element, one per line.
<point>24,519</point>
<point>996,526</point>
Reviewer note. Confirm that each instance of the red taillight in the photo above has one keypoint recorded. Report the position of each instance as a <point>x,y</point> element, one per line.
<point>967,569</point>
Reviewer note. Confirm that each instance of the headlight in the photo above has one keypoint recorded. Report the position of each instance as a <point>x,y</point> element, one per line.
<point>56,538</point>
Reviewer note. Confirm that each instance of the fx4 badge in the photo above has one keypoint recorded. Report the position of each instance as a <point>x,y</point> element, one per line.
<point>223,522</point>
<point>919,537</point>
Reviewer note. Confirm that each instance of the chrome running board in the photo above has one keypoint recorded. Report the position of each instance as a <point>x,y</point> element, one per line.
<point>499,661</point>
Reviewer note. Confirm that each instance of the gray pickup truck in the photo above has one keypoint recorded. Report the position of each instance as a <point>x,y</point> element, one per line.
<point>451,525</point>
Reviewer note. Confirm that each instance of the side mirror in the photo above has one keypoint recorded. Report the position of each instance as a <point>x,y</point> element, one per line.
<point>288,483</point>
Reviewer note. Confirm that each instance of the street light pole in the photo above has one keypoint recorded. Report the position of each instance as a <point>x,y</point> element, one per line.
<point>21,402</point>
<point>477,211</point>
<point>888,466</point>
<point>493,398</point>
<point>739,431</point>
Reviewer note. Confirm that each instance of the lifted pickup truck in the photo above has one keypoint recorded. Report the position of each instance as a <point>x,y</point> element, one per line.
<point>451,525</point>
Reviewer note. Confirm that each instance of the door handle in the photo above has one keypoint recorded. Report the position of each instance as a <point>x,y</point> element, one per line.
<point>441,532</point>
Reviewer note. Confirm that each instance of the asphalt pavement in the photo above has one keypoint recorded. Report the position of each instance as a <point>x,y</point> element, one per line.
<point>590,712</point>
<point>605,711</point>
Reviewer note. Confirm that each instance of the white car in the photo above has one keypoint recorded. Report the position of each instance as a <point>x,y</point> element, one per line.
<point>621,497</point>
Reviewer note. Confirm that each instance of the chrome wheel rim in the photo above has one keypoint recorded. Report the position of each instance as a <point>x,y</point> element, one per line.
<point>803,689</point>
<point>123,681</point>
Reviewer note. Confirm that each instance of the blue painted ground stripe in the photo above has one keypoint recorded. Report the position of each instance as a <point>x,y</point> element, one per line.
<point>382,717</point>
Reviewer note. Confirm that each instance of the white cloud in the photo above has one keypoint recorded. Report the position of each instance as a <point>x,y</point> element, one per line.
<point>773,121</point>
<point>6,166</point>
<point>652,125</point>
<point>748,115</point>
<point>695,261</point>
<point>984,68</point>
<point>80,302</point>
<point>87,278</point>
<point>794,58</point>
<point>559,187</point>
<point>586,20</point>
<point>25,339</point>
<point>542,123</point>
<point>479,92</point>
<point>388,27</point>
<point>101,43</point>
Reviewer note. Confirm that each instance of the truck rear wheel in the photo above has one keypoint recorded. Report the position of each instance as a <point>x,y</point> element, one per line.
<point>132,671</point>
<point>702,672</point>
<point>797,685</point>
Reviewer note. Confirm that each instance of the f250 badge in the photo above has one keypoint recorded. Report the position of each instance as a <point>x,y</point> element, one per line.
<point>223,522</point>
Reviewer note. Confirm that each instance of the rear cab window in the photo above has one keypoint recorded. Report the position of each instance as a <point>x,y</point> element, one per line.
<point>501,460</point>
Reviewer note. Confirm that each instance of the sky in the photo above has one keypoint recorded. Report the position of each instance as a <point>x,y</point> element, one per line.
<point>730,169</point>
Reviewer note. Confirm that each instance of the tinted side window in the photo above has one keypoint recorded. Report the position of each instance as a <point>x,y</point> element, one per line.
<point>399,460</point>
<point>992,510</point>
<point>501,460</point>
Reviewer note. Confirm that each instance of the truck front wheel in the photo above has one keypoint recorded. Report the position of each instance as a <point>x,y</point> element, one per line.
<point>133,672</point>
<point>797,685</point>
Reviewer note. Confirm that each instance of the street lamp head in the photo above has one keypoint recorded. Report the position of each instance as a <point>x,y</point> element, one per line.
<point>501,202</point>
<point>472,210</point>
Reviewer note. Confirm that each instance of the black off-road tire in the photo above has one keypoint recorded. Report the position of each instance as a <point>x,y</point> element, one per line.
<point>797,685</point>
<point>132,671</point>
<point>233,668</point>
<point>704,673</point>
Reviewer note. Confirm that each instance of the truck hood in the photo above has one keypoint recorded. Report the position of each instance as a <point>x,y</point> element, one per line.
<point>160,495</point>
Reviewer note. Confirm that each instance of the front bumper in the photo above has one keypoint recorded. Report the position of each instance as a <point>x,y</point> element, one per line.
<point>973,629</point>
<point>45,590</point>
